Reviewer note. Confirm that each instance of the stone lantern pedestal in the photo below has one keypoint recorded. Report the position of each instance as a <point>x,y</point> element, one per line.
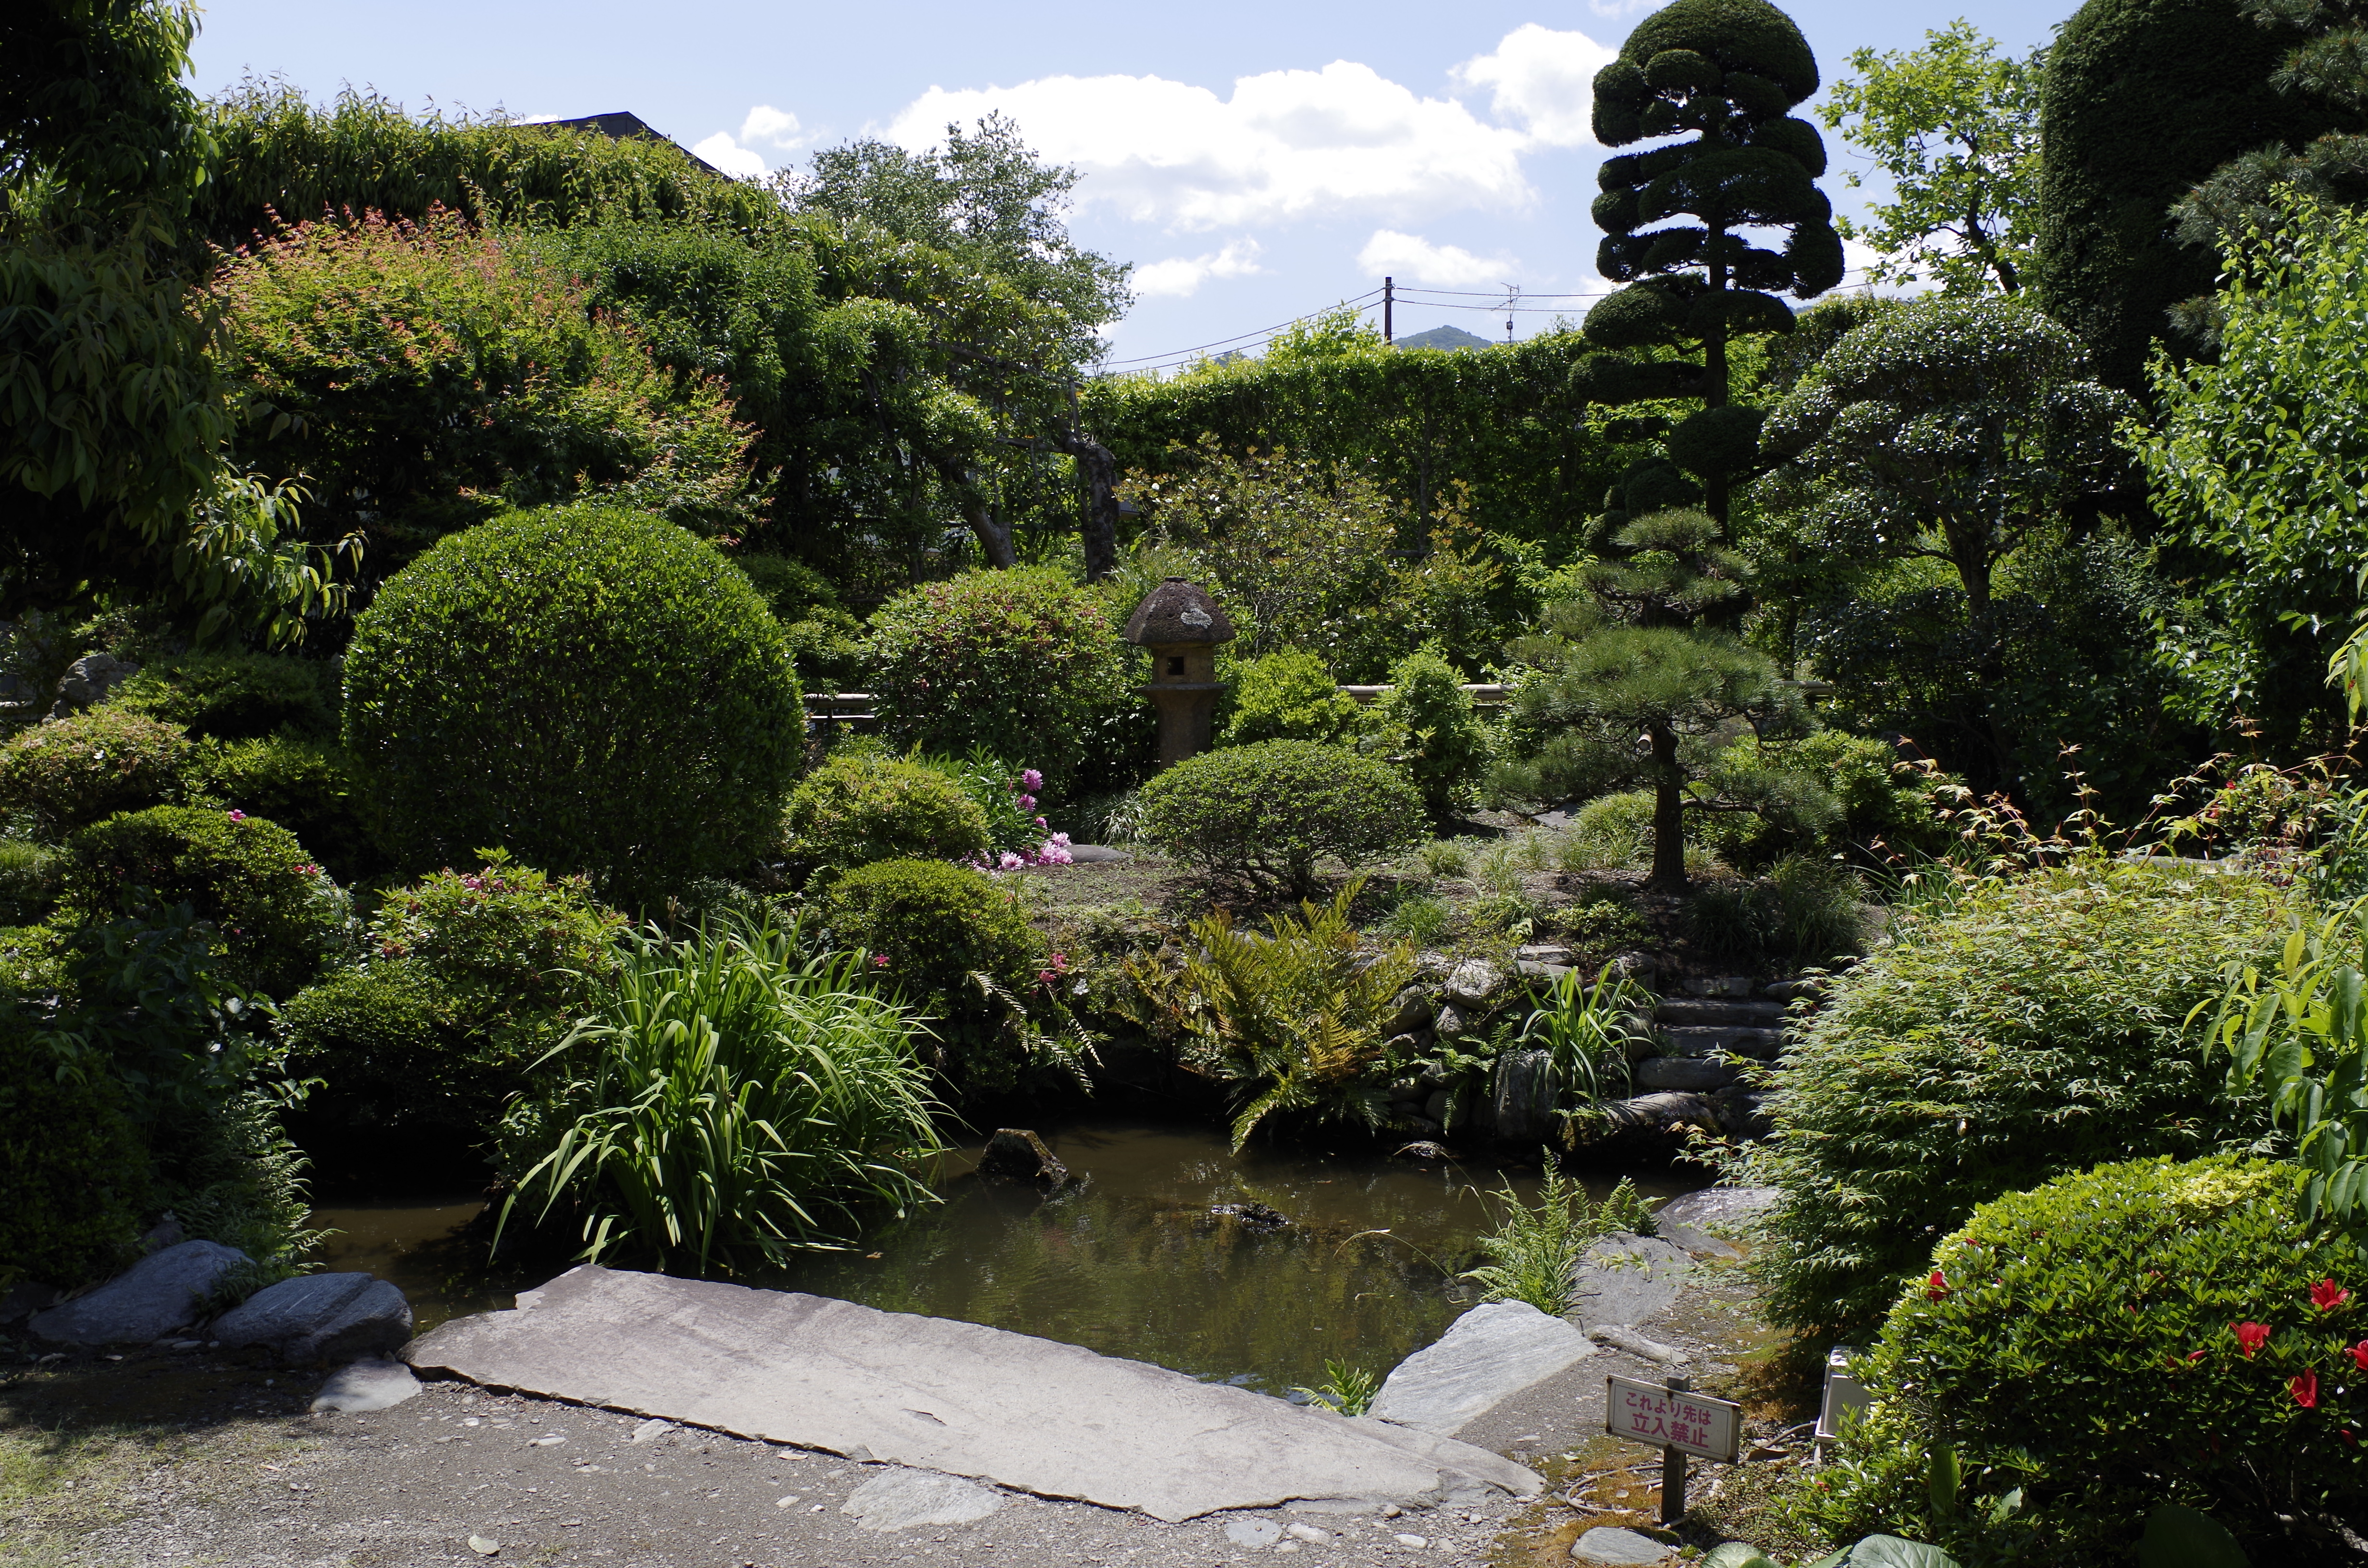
<point>1181,626</point>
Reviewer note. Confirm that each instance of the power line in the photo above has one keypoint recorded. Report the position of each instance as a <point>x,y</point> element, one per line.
<point>1261,332</point>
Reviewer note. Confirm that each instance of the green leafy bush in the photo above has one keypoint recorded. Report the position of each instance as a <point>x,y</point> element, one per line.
<point>29,881</point>
<point>729,1103</point>
<point>1290,695</point>
<point>862,806</point>
<point>593,690</point>
<point>73,1168</point>
<point>278,912</point>
<point>1265,814</point>
<point>2187,1299</point>
<point>306,786</point>
<point>234,695</point>
<point>1022,663</point>
<point>1017,833</point>
<point>938,927</point>
<point>389,1041</point>
<point>1804,911</point>
<point>71,772</point>
<point>2032,1027</point>
<point>1437,735</point>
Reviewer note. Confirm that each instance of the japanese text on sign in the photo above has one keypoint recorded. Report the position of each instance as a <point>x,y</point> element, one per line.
<point>1690,1423</point>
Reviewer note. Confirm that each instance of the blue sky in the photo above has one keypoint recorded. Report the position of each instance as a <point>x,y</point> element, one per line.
<point>1256,161</point>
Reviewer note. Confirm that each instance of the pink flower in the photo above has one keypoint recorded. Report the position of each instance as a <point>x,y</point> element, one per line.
<point>2303,1386</point>
<point>308,870</point>
<point>1009,862</point>
<point>1030,780</point>
<point>879,960</point>
<point>2326,1295</point>
<point>238,816</point>
<point>1027,802</point>
<point>2250,1336</point>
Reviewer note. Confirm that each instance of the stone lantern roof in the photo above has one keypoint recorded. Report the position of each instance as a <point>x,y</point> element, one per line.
<point>1178,612</point>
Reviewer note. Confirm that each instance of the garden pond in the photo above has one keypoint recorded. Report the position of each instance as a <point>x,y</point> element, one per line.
<point>1129,1260</point>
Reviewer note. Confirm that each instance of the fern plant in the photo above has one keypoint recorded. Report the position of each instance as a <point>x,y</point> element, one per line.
<point>1534,1254</point>
<point>1292,1022</point>
<point>1346,1390</point>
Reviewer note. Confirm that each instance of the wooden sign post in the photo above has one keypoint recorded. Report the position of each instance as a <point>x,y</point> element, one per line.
<point>1680,1422</point>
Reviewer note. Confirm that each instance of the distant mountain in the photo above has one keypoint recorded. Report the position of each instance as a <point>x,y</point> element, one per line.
<point>1444,338</point>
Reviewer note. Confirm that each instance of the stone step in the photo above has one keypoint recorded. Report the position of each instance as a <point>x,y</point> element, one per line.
<point>1704,1040</point>
<point>1696,1072</point>
<point>1753,1014</point>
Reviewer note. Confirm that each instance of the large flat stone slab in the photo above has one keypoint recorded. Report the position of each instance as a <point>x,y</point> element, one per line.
<point>159,1295</point>
<point>1626,1279</point>
<point>1489,1354</point>
<point>935,1394</point>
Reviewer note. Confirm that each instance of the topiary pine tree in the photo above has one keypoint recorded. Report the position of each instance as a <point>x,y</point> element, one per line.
<point>1723,73</point>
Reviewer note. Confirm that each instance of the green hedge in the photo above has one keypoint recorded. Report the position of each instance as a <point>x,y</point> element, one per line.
<point>937,926</point>
<point>1291,696</point>
<point>306,786</point>
<point>1267,814</point>
<point>71,772</point>
<point>277,913</point>
<point>2081,1342</point>
<point>593,690</point>
<point>234,695</point>
<point>75,1170</point>
<point>859,807</point>
<point>2035,1028</point>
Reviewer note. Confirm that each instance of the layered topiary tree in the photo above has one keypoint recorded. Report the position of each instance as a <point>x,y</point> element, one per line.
<point>1722,75</point>
<point>593,690</point>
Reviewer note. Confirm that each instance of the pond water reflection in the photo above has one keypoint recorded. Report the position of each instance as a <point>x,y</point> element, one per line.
<point>1128,1262</point>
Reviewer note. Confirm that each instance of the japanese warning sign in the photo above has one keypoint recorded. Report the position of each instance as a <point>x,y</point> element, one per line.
<point>1690,1423</point>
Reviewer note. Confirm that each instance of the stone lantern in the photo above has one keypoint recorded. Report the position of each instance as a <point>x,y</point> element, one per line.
<point>1181,626</point>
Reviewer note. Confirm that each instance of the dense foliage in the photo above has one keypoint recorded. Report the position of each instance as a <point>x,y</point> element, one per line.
<point>1288,695</point>
<point>307,787</point>
<point>861,806</point>
<point>2187,1298</point>
<point>74,771</point>
<point>1436,734</point>
<point>727,1104</point>
<point>75,1170</point>
<point>2035,1028</point>
<point>234,695</point>
<point>589,689</point>
<point>1023,663</point>
<point>1267,815</point>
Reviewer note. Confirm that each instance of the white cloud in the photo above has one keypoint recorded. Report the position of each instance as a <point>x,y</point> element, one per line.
<point>768,127</point>
<point>1544,80</point>
<point>730,156</point>
<point>1286,144</point>
<point>1392,254</point>
<point>1182,274</point>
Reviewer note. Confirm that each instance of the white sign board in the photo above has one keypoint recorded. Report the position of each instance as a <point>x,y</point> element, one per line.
<point>1690,1423</point>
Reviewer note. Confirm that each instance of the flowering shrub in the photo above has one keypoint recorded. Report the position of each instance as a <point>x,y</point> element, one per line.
<point>71,772</point>
<point>1022,662</point>
<point>435,377</point>
<point>592,690</point>
<point>861,806</point>
<point>1017,833</point>
<point>2145,1331</point>
<point>959,948</point>
<point>278,912</point>
<point>2033,1029</point>
<point>1265,814</point>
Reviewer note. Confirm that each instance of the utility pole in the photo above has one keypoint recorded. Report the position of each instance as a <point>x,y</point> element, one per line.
<point>1389,299</point>
<point>1512,298</point>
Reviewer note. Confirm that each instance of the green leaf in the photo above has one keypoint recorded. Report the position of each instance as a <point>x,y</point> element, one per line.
<point>2179,1537</point>
<point>1890,1551</point>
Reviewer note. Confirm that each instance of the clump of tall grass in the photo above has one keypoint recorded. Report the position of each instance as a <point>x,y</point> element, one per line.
<point>1586,1029</point>
<point>730,1102</point>
<point>1534,1254</point>
<point>1347,1391</point>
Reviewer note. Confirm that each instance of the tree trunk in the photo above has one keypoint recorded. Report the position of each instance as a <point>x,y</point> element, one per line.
<point>994,538</point>
<point>1669,814</point>
<point>1098,526</point>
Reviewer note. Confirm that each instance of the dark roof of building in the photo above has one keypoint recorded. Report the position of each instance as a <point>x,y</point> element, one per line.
<point>620,126</point>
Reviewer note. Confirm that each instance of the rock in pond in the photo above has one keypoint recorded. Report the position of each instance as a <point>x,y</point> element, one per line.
<point>1254,1214</point>
<point>161,1293</point>
<point>1489,1354</point>
<point>934,1393</point>
<point>320,1317</point>
<point>374,1383</point>
<point>899,1499</point>
<point>1018,1153</point>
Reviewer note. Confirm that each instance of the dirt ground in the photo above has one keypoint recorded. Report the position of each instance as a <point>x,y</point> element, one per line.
<point>158,1458</point>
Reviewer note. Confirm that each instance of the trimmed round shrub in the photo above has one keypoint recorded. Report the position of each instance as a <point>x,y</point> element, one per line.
<point>859,807</point>
<point>278,912</point>
<point>2033,1029</point>
<point>1266,814</point>
<point>1291,696</point>
<point>306,786</point>
<point>71,772</point>
<point>234,695</point>
<point>937,925</point>
<point>72,1168</point>
<point>1437,735</point>
<point>387,1042</point>
<point>593,690</point>
<point>1022,663</point>
<point>2186,1300</point>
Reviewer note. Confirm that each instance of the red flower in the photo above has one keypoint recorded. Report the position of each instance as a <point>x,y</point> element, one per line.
<point>2195,1355</point>
<point>2304,1388</point>
<point>2360,1355</point>
<point>1937,1286</point>
<point>2327,1295</point>
<point>2250,1336</point>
